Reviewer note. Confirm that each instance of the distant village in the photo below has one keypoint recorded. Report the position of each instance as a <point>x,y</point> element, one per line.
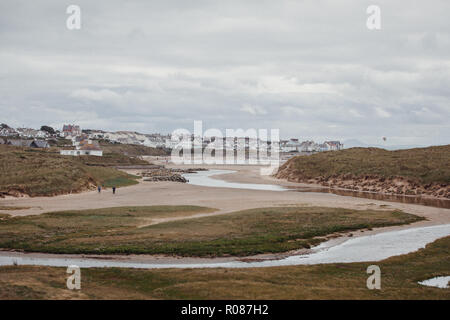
<point>85,142</point>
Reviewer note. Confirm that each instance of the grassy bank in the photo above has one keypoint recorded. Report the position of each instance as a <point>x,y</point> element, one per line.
<point>43,173</point>
<point>412,171</point>
<point>399,277</point>
<point>132,149</point>
<point>111,160</point>
<point>129,230</point>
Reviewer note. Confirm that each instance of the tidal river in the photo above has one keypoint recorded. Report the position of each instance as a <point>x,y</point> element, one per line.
<point>362,249</point>
<point>203,178</point>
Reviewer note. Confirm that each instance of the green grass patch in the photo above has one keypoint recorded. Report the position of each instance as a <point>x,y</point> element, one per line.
<point>120,181</point>
<point>399,280</point>
<point>129,230</point>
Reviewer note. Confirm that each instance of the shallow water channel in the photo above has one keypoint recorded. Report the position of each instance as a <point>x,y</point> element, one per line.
<point>362,249</point>
<point>203,178</point>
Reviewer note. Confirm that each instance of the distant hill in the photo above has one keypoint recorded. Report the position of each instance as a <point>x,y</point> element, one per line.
<point>410,172</point>
<point>354,143</point>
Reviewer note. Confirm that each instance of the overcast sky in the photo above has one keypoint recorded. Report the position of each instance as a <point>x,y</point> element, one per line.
<point>310,68</point>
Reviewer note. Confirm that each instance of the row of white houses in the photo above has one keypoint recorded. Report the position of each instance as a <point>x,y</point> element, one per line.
<point>294,145</point>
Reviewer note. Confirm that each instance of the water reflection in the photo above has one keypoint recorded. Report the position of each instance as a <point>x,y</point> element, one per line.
<point>203,178</point>
<point>439,203</point>
<point>438,282</point>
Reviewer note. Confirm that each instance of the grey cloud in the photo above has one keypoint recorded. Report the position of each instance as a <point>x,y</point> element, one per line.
<point>309,68</point>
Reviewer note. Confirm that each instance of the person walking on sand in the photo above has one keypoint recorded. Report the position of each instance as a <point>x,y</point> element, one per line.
<point>99,188</point>
<point>114,190</point>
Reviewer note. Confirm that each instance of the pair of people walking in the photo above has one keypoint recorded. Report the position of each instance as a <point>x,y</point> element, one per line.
<point>99,188</point>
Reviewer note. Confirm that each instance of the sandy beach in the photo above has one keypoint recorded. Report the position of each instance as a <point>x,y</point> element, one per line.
<point>223,199</point>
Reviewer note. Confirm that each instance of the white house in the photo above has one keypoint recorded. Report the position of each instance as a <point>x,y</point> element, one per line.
<point>76,152</point>
<point>84,148</point>
<point>333,145</point>
<point>292,145</point>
